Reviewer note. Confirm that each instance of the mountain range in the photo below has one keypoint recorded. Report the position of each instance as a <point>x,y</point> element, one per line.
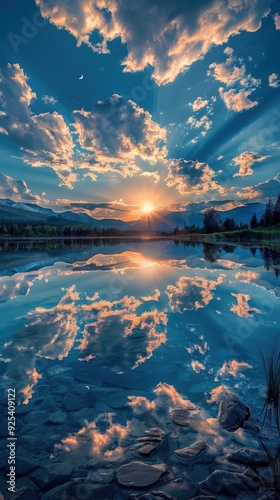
<point>30,213</point>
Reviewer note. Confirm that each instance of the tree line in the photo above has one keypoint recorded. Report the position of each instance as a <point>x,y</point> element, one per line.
<point>212,222</point>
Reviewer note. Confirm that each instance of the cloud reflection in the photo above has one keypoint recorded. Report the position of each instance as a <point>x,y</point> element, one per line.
<point>191,293</point>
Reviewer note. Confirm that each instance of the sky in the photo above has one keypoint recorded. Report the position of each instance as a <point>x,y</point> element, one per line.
<point>119,109</point>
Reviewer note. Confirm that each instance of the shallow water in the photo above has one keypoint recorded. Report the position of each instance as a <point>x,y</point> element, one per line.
<point>116,336</point>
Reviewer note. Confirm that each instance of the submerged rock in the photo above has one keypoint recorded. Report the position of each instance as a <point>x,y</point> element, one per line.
<point>139,474</point>
<point>229,483</point>
<point>153,495</point>
<point>193,451</point>
<point>57,418</point>
<point>151,442</point>
<point>232,413</point>
<point>249,456</point>
<point>52,475</point>
<point>180,416</point>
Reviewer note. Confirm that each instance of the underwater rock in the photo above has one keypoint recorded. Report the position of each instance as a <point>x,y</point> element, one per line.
<point>232,413</point>
<point>180,416</point>
<point>193,451</point>
<point>139,474</point>
<point>249,456</point>
<point>153,495</point>
<point>204,497</point>
<point>57,493</point>
<point>57,418</point>
<point>52,474</point>
<point>151,442</point>
<point>229,483</point>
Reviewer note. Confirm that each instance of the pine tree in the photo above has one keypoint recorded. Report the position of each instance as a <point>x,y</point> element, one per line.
<point>268,214</point>
<point>254,222</point>
<point>276,211</point>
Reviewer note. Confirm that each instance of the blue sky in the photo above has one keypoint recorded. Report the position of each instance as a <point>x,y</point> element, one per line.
<point>107,105</point>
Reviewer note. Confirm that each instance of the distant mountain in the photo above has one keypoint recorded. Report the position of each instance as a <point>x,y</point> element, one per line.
<point>30,213</point>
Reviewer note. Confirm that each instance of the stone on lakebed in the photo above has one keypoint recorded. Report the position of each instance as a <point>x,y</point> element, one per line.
<point>139,474</point>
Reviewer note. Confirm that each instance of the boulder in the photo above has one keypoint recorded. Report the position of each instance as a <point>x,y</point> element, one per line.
<point>140,474</point>
<point>232,413</point>
<point>57,418</point>
<point>180,416</point>
<point>249,457</point>
<point>229,483</point>
<point>193,451</point>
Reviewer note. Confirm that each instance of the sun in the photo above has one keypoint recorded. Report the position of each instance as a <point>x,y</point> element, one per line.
<point>147,207</point>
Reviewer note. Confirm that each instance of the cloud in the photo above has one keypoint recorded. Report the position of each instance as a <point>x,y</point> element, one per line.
<point>16,189</point>
<point>191,293</point>
<point>197,366</point>
<point>203,122</point>
<point>242,308</point>
<point>48,99</point>
<point>199,103</point>
<point>118,132</point>
<point>237,100</point>
<point>248,193</point>
<point>45,138</point>
<point>233,368</point>
<point>277,21</point>
<point>245,161</point>
<point>48,333</point>
<point>135,337</point>
<point>246,276</point>
<point>273,80</point>
<point>193,28</point>
<point>232,73</point>
<point>190,176</point>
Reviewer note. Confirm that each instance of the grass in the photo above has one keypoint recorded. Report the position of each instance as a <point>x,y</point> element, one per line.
<point>271,364</point>
<point>274,466</point>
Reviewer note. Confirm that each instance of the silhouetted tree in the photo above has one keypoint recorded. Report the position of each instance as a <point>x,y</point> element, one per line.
<point>276,212</point>
<point>229,224</point>
<point>211,221</point>
<point>254,222</point>
<point>268,214</point>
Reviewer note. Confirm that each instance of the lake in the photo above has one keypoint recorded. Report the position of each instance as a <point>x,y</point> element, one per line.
<point>103,340</point>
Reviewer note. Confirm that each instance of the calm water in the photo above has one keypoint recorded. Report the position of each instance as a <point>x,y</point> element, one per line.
<point>117,334</point>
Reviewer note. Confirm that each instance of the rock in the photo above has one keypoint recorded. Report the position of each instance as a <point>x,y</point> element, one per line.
<point>269,496</point>
<point>79,418</point>
<point>55,370</point>
<point>27,428</point>
<point>23,409</point>
<point>155,431</point>
<point>193,451</point>
<point>52,475</point>
<point>72,402</point>
<point>153,495</point>
<point>249,457</point>
<point>24,466</point>
<point>232,413</point>
<point>89,491</point>
<point>57,418</point>
<point>100,476</point>
<point>229,483</point>
<point>250,427</point>
<point>25,489</point>
<point>204,497</point>
<point>117,399</point>
<point>57,493</point>
<point>139,474</point>
<point>148,449</point>
<point>37,417</point>
<point>180,416</point>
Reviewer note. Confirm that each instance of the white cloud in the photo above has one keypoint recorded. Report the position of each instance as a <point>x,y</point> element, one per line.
<point>199,103</point>
<point>237,100</point>
<point>118,132</point>
<point>16,189</point>
<point>232,73</point>
<point>49,99</point>
<point>45,138</point>
<point>273,80</point>
<point>277,21</point>
<point>204,122</point>
<point>191,177</point>
<point>245,161</point>
<point>193,28</point>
